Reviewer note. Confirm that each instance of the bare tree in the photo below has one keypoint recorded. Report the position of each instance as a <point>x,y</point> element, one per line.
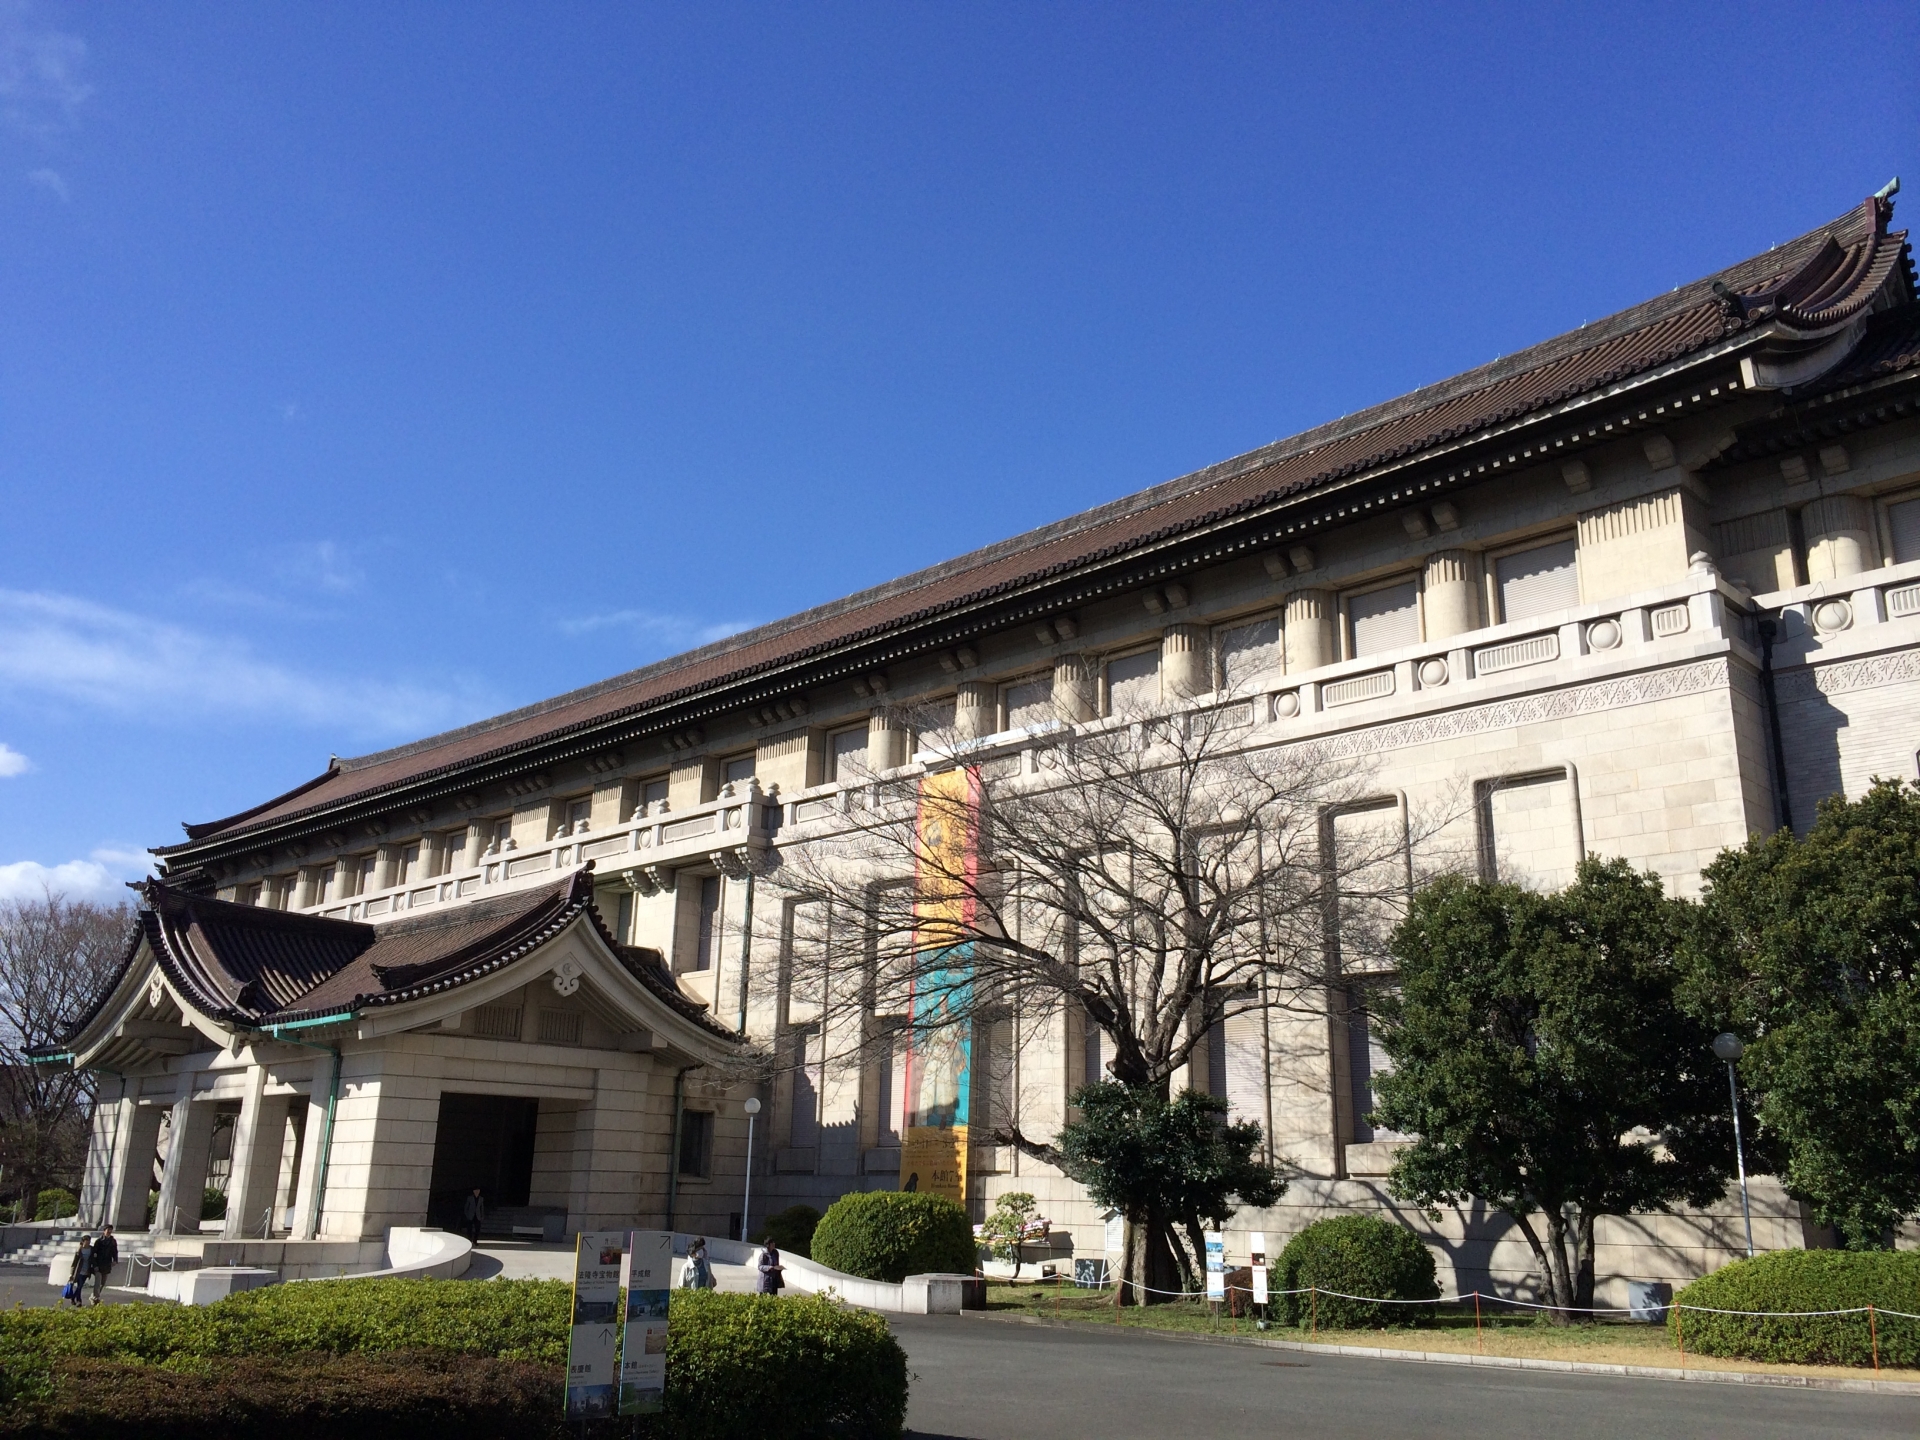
<point>1152,876</point>
<point>55,954</point>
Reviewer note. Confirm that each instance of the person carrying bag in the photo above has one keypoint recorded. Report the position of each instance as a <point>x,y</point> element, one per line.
<point>772,1277</point>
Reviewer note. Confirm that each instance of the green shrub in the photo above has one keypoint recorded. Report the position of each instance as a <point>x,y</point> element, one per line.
<point>505,1319</point>
<point>891,1234</point>
<point>1805,1280</point>
<point>781,1369</point>
<point>55,1204</point>
<point>371,1397</point>
<point>791,1229</point>
<point>213,1204</point>
<point>1356,1255</point>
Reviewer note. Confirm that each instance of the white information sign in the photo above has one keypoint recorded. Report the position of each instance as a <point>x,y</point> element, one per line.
<point>643,1353</point>
<point>1259,1263</point>
<point>1216,1265</point>
<point>594,1340</point>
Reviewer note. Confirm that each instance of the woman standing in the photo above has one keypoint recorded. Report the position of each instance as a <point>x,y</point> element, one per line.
<point>771,1278</point>
<point>699,1273</point>
<point>75,1289</point>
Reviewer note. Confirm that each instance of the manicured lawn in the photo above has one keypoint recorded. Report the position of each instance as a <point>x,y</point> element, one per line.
<point>1607,1343</point>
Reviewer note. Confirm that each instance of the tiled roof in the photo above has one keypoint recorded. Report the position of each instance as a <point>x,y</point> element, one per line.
<point>1806,283</point>
<point>249,966</point>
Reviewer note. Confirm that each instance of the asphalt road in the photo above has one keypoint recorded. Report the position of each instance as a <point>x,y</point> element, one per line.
<point>979,1379</point>
<point>27,1285</point>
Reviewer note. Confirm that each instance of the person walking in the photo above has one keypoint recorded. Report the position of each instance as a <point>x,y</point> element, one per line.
<point>106,1254</point>
<point>76,1284</point>
<point>772,1278</point>
<point>475,1211</point>
<point>699,1272</point>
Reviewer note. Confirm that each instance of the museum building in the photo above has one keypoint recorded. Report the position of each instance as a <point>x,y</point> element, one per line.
<point>1642,590</point>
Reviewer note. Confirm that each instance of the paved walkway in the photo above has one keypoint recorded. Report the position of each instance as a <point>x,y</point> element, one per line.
<point>27,1285</point>
<point>976,1379</point>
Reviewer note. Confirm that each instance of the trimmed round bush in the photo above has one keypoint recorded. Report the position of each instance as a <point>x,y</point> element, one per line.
<point>891,1234</point>
<point>791,1229</point>
<point>780,1368</point>
<point>1805,1280</point>
<point>1356,1255</point>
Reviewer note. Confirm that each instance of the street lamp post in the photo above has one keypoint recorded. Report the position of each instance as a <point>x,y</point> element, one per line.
<point>752,1107</point>
<point>1729,1049</point>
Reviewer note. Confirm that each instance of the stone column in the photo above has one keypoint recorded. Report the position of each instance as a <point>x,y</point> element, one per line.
<point>1186,667</point>
<point>346,875</point>
<point>1839,531</point>
<point>184,1179</point>
<point>105,1134</point>
<point>476,841</point>
<point>1450,599</point>
<point>258,1141</point>
<point>886,739</point>
<point>134,1172</point>
<point>975,710</point>
<point>1310,638</point>
<point>1074,694</point>
<point>306,1197</point>
<point>256,1147</point>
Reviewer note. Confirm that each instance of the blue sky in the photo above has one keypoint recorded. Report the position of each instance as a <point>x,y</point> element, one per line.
<point>368,369</point>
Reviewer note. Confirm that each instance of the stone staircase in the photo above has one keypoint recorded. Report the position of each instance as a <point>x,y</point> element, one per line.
<point>60,1243</point>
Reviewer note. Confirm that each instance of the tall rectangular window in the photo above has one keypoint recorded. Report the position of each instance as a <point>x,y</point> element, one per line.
<point>1537,581</point>
<point>652,793</point>
<point>323,886</point>
<point>1133,683</point>
<point>737,769</point>
<point>892,1090</point>
<point>579,816</point>
<point>1029,703</point>
<point>1099,1050</point>
<point>1366,1062</point>
<point>1903,523</point>
<point>368,870</point>
<point>1250,655</point>
<point>805,1128</point>
<point>696,1143</point>
<point>1384,619</point>
<point>453,851</point>
<point>407,869</point>
<point>707,936</point>
<point>847,753</point>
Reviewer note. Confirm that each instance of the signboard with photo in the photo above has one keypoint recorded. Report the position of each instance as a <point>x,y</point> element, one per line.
<point>594,1339</point>
<point>643,1352</point>
<point>1216,1265</point>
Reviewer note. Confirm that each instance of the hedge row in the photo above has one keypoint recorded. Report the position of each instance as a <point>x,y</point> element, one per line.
<point>371,1357</point>
<point>1805,1280</point>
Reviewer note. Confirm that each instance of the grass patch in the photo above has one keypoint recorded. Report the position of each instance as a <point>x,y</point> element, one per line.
<point>1508,1335</point>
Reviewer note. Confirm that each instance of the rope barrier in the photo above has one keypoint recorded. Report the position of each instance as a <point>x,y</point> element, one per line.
<point>1314,1291</point>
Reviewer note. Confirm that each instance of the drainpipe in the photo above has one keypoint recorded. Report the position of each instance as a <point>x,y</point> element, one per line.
<point>311,1229</point>
<point>673,1153</point>
<point>746,950</point>
<point>1782,806</point>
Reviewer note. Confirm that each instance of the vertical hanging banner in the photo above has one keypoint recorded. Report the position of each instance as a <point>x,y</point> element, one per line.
<point>1259,1266</point>
<point>939,1069</point>
<point>643,1348</point>
<point>1216,1265</point>
<point>594,1339</point>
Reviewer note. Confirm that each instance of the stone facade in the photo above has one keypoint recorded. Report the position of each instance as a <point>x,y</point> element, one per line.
<point>1600,620</point>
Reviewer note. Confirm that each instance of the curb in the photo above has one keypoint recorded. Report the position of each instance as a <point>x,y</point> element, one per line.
<point>1496,1362</point>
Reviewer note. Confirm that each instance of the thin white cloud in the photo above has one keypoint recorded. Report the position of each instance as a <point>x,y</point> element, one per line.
<point>41,89</point>
<point>102,877</point>
<point>64,648</point>
<point>324,565</point>
<point>50,181</point>
<point>12,762</point>
<point>669,630</point>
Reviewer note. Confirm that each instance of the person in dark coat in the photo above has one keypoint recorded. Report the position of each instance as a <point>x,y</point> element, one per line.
<point>106,1254</point>
<point>772,1280</point>
<point>76,1285</point>
<point>475,1211</point>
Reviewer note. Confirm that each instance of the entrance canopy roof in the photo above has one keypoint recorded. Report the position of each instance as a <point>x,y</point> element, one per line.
<point>224,969</point>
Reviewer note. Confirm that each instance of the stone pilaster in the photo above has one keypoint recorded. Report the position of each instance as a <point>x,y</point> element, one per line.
<point>1450,596</point>
<point>1309,632</point>
<point>1839,531</point>
<point>1073,688</point>
<point>1186,668</point>
<point>976,708</point>
<point>887,739</point>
